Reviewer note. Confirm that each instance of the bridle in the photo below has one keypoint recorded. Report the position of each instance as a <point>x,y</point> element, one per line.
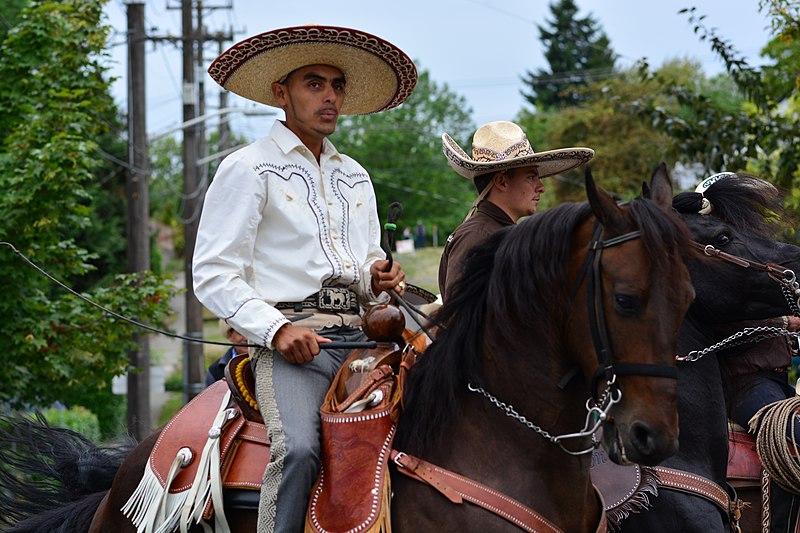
<point>598,407</point>
<point>783,276</point>
<point>608,369</point>
<point>790,287</point>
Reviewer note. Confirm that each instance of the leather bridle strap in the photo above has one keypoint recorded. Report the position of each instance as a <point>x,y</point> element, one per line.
<point>458,488</point>
<point>781,275</point>
<point>607,368</point>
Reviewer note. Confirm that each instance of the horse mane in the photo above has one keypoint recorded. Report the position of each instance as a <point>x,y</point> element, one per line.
<point>515,279</point>
<point>745,202</point>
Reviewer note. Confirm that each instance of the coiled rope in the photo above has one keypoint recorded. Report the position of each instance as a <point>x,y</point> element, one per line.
<point>779,455</point>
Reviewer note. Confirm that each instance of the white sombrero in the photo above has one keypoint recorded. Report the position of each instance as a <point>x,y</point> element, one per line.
<point>503,145</point>
<point>379,75</point>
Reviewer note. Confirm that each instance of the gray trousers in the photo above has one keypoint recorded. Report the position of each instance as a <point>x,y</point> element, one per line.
<point>289,397</point>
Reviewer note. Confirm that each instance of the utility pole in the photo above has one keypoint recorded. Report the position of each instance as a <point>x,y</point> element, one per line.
<point>224,128</point>
<point>138,417</point>
<point>193,200</point>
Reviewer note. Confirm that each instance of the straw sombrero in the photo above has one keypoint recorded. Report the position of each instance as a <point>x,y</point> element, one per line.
<point>379,75</point>
<point>502,146</point>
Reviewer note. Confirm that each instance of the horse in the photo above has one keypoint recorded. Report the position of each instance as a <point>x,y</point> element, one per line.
<point>727,291</point>
<point>490,395</point>
<point>582,301</point>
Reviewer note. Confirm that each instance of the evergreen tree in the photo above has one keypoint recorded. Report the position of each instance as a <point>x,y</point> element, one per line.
<point>578,52</point>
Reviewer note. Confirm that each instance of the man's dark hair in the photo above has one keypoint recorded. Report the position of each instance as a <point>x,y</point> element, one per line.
<point>483,180</point>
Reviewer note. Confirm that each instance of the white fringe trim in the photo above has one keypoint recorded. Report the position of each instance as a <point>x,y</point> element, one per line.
<point>151,507</point>
<point>207,482</point>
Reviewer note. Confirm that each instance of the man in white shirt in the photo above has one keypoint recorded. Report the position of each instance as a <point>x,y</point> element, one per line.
<point>304,237</point>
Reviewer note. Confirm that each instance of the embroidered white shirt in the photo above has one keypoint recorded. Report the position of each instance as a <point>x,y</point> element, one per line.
<point>276,226</point>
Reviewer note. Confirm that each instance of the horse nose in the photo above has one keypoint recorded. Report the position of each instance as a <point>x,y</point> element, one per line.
<point>649,443</point>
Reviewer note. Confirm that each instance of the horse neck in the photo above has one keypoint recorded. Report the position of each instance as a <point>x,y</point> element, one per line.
<point>545,475</point>
<point>503,453</point>
<point>701,406</point>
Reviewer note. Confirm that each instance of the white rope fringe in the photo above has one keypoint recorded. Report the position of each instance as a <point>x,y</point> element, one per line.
<point>207,483</point>
<point>151,507</point>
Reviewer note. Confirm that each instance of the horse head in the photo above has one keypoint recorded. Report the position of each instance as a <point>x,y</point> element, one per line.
<point>645,290</point>
<point>738,221</point>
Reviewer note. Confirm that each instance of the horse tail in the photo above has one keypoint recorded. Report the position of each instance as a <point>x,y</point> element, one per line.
<point>52,479</point>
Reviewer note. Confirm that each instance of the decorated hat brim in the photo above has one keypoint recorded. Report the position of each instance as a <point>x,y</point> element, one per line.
<point>379,75</point>
<point>548,163</point>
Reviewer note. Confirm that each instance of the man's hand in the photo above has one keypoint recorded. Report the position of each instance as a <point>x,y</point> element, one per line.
<point>386,281</point>
<point>297,344</point>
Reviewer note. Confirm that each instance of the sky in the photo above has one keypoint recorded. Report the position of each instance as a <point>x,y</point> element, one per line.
<point>479,48</point>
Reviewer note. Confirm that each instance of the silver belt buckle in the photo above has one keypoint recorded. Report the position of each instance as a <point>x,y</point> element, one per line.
<point>334,299</point>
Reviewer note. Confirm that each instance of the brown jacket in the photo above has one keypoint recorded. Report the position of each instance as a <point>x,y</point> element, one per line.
<point>487,220</point>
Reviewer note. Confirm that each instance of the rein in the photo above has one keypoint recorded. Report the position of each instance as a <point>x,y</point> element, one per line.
<point>785,277</point>
<point>790,287</point>
<point>335,345</point>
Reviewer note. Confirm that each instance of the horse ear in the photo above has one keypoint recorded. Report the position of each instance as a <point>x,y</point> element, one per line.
<point>645,190</point>
<point>604,207</point>
<point>661,188</point>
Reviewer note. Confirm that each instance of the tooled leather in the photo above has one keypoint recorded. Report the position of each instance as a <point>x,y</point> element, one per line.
<point>694,484</point>
<point>240,437</point>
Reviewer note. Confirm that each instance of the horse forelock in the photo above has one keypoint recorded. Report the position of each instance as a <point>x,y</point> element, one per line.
<point>665,237</point>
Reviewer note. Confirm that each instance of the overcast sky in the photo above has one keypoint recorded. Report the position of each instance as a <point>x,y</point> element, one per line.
<point>480,48</point>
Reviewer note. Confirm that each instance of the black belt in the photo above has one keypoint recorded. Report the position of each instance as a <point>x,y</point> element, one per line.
<point>328,299</point>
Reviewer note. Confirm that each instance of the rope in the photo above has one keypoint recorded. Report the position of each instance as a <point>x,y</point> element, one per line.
<point>323,346</point>
<point>779,455</point>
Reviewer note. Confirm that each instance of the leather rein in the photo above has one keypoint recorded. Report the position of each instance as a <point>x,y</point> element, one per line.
<point>785,277</point>
<point>680,480</point>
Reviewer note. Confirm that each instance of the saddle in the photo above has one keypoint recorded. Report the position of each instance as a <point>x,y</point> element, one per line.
<point>744,465</point>
<point>211,445</point>
<point>359,417</point>
<point>214,452</point>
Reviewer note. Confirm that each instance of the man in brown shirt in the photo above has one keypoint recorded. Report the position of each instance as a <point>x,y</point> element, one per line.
<point>507,174</point>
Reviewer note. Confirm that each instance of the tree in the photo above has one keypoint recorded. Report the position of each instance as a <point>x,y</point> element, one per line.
<point>54,105</point>
<point>759,134</point>
<point>402,151</point>
<point>577,50</point>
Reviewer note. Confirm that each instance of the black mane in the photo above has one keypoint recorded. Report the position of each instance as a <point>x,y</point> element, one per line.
<point>745,202</point>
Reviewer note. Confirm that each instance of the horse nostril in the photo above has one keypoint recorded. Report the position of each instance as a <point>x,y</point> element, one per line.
<point>643,438</point>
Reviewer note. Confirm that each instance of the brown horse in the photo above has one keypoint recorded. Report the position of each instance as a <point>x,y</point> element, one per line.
<point>582,301</point>
<point>492,393</point>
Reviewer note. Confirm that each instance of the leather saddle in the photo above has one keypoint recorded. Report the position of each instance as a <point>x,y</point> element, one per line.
<point>744,465</point>
<point>243,441</point>
<point>626,489</point>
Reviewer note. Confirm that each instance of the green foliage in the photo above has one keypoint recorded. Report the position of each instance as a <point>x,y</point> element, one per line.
<point>577,50</point>
<point>54,109</point>
<point>402,151</point>
<point>77,419</point>
<point>9,15</point>
<point>753,127</point>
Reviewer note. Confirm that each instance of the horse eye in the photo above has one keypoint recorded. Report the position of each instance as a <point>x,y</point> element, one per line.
<point>723,239</point>
<point>626,304</point>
